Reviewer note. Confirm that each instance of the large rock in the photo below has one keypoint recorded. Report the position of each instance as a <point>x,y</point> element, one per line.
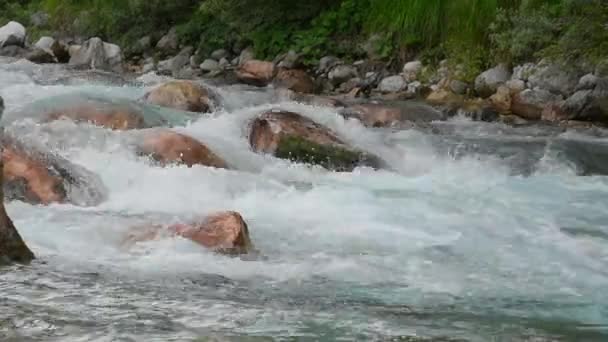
<point>554,78</point>
<point>529,104</point>
<point>209,65</point>
<point>327,63</point>
<point>182,95</point>
<point>392,84</point>
<point>12,247</point>
<point>294,137</point>
<point>488,82</point>
<point>58,50</point>
<point>169,147</point>
<point>590,104</point>
<point>296,80</point>
<point>169,43</point>
<point>97,55</point>
<point>36,176</point>
<point>222,232</point>
<point>12,33</point>
<point>255,72</point>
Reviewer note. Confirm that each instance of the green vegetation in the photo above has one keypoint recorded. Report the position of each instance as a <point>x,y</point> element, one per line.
<point>301,150</point>
<point>473,34</point>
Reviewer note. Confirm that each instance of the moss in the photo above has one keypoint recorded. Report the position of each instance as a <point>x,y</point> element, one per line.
<point>300,150</point>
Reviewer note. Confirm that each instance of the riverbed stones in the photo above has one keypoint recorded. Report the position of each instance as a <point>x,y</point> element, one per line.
<point>169,147</point>
<point>12,33</point>
<point>488,82</point>
<point>256,72</point>
<point>95,54</point>
<point>294,79</point>
<point>182,95</point>
<point>291,136</point>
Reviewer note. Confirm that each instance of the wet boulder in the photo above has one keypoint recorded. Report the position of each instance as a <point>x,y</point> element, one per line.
<point>256,72</point>
<point>169,147</point>
<point>99,113</point>
<point>529,104</point>
<point>291,136</point>
<point>53,47</point>
<point>95,54</point>
<point>36,176</point>
<point>222,232</point>
<point>296,80</point>
<point>183,95</point>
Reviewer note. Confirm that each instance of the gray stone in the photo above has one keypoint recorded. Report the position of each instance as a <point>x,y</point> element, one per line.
<point>113,55</point>
<point>411,70</point>
<point>555,79</point>
<point>97,55</point>
<point>341,74</point>
<point>589,105</point>
<point>523,72</point>
<point>459,87</point>
<point>219,54</point>
<point>12,33</point>
<point>41,56</point>
<point>488,82</point>
<point>223,64</point>
<point>290,60</point>
<point>392,84</point>
<point>326,63</point>
<point>515,85</point>
<point>414,87</point>
<point>148,67</point>
<point>529,104</point>
<point>209,65</point>
<point>246,55</point>
<point>169,43</point>
<point>587,82</point>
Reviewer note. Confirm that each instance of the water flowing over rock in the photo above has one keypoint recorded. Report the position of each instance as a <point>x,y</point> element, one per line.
<point>296,80</point>
<point>36,176</point>
<point>183,95</point>
<point>12,247</point>
<point>255,72</point>
<point>291,136</point>
<point>168,147</point>
<point>223,232</point>
<point>397,114</point>
<point>488,82</point>
<point>12,33</point>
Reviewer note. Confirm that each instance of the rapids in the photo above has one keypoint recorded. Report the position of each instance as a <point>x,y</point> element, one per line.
<point>479,231</point>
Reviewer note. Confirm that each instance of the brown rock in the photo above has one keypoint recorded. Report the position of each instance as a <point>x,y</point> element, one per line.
<point>169,147</point>
<point>223,232</point>
<point>529,104</point>
<point>374,115</point>
<point>182,95</point>
<point>296,80</point>
<point>553,112</point>
<point>256,72</point>
<point>291,136</point>
<point>115,117</point>
<point>501,101</point>
<point>443,97</point>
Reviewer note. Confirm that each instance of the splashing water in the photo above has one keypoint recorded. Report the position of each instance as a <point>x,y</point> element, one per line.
<point>479,231</point>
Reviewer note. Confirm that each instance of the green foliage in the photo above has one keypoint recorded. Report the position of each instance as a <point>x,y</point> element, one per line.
<point>300,150</point>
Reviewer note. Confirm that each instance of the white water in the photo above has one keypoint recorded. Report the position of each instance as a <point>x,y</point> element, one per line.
<point>440,246</point>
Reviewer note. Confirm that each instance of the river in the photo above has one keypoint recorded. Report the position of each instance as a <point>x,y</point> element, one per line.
<point>479,232</point>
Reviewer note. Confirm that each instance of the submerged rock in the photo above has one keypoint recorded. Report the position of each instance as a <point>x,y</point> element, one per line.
<point>100,113</point>
<point>168,147</point>
<point>223,232</point>
<point>36,176</point>
<point>255,72</point>
<point>290,136</point>
<point>182,95</point>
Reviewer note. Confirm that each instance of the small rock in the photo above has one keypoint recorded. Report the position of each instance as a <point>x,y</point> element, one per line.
<point>327,63</point>
<point>515,85</point>
<point>411,70</point>
<point>97,55</point>
<point>224,63</point>
<point>219,54</point>
<point>246,56</point>
<point>501,101</point>
<point>209,65</point>
<point>443,97</point>
<point>41,56</point>
<point>392,84</point>
<point>523,72</point>
<point>182,95</point>
<point>294,79</point>
<point>414,87</point>
<point>488,82</point>
<point>12,33</point>
<point>255,72</point>
<point>290,60</point>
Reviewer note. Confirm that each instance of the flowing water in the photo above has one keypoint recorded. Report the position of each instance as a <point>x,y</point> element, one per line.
<point>480,232</point>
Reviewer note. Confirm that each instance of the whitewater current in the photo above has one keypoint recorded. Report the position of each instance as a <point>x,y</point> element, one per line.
<point>476,232</point>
